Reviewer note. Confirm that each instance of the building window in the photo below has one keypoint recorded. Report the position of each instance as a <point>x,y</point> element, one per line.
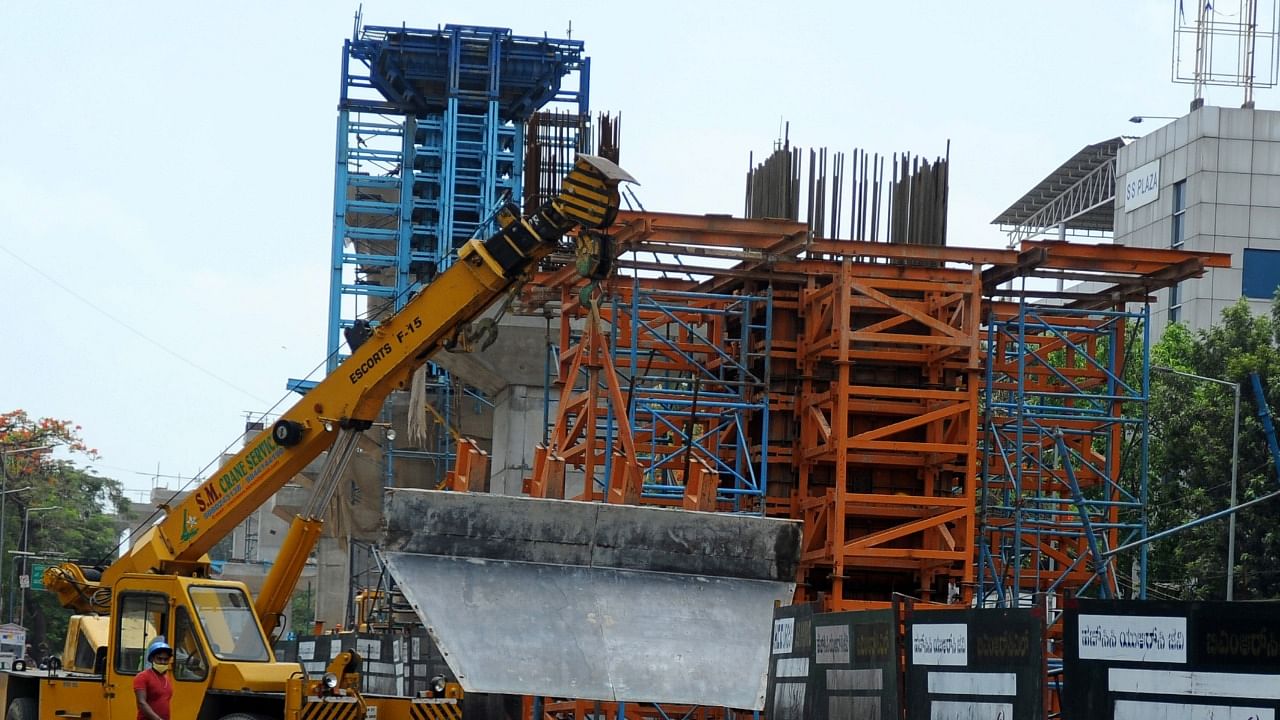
<point>1175,302</point>
<point>1261,273</point>
<point>1179,230</point>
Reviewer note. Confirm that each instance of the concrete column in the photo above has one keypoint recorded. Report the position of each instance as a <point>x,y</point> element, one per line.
<point>517,428</point>
<point>333,576</point>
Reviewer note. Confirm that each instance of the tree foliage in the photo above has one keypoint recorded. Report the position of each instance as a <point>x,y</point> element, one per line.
<point>80,524</point>
<point>1190,458</point>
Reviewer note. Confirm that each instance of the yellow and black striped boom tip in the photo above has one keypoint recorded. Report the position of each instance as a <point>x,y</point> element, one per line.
<point>589,193</point>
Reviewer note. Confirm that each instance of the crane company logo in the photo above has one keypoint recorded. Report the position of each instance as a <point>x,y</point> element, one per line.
<point>212,497</point>
<point>190,528</point>
<point>377,357</point>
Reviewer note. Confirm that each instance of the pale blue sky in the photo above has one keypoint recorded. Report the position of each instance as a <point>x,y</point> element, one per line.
<point>172,163</point>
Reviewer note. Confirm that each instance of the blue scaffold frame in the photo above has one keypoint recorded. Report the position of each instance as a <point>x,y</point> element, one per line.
<point>430,142</point>
<point>1032,459</point>
<point>719,412</point>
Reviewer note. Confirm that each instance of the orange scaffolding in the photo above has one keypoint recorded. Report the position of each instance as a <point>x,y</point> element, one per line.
<point>873,376</point>
<point>889,361</point>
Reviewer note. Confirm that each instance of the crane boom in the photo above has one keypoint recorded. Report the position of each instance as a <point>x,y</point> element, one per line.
<point>351,397</point>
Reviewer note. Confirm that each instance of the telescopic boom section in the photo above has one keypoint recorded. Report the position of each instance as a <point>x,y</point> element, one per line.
<point>352,396</point>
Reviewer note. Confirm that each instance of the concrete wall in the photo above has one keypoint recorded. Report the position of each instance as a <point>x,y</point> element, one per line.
<point>1230,161</point>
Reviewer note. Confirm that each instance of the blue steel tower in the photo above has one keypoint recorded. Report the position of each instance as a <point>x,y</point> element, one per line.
<point>430,141</point>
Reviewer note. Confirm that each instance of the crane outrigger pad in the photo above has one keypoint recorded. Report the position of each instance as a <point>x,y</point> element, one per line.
<point>592,601</point>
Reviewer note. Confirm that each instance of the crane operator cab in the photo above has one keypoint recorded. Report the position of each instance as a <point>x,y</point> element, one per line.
<point>222,663</point>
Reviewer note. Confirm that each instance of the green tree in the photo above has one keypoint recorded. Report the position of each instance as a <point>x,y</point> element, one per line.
<point>80,524</point>
<point>302,611</point>
<point>1190,458</point>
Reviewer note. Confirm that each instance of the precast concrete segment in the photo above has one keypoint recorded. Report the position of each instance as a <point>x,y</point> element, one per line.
<point>593,601</point>
<point>595,633</point>
<point>566,532</point>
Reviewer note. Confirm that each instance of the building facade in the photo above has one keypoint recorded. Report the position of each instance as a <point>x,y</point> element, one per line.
<point>1210,182</point>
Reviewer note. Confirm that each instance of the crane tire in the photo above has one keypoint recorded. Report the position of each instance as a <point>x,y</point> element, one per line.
<point>22,708</point>
<point>241,716</point>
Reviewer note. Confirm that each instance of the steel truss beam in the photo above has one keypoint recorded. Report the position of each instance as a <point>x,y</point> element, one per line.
<point>1092,191</point>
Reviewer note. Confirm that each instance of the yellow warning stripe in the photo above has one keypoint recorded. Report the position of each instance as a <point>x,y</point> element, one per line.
<point>433,709</point>
<point>585,195</point>
<point>335,708</point>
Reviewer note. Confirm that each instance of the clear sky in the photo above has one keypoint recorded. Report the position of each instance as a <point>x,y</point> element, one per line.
<point>166,174</point>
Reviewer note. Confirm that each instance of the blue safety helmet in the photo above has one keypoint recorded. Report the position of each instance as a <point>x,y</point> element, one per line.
<point>156,646</point>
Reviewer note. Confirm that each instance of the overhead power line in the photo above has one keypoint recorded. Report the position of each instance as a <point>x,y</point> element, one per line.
<point>131,328</point>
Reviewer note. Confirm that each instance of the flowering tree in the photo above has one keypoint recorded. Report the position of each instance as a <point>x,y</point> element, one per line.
<point>38,458</point>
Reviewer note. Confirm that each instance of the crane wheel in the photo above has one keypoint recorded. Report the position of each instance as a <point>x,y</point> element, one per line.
<point>241,716</point>
<point>23,708</point>
<point>287,433</point>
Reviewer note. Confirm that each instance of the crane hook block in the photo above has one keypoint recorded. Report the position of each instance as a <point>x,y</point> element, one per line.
<point>287,433</point>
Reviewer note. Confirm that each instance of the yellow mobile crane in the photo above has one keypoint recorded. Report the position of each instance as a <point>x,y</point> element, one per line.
<point>224,668</point>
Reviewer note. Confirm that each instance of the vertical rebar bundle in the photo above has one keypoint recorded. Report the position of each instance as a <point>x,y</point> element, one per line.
<point>552,141</point>
<point>909,208</point>
<point>608,136</point>
<point>773,187</point>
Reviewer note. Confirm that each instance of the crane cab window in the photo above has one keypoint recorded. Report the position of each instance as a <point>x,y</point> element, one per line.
<point>140,619</point>
<point>188,658</point>
<point>229,623</point>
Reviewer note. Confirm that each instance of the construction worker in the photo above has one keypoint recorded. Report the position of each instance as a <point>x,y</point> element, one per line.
<point>153,687</point>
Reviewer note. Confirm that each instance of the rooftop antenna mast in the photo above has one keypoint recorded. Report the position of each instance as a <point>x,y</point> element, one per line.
<point>1232,49</point>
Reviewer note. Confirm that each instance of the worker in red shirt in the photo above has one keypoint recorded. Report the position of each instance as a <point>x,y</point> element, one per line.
<point>153,687</point>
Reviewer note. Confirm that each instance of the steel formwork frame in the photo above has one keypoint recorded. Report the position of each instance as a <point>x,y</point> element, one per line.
<point>888,415</point>
<point>430,134</point>
<point>879,375</point>
<point>679,383</point>
<point>429,142</point>
<point>1066,405</point>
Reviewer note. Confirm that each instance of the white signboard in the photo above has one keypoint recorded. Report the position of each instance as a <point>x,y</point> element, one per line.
<point>784,633</point>
<point>1133,638</point>
<point>1145,710</point>
<point>966,709</point>
<point>788,700</point>
<point>1142,186</point>
<point>940,644</point>
<point>831,644</point>
<point>792,667</point>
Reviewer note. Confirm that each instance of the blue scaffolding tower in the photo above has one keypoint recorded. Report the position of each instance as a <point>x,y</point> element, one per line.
<point>430,142</point>
<point>1064,464</point>
<point>693,370</point>
<point>709,399</point>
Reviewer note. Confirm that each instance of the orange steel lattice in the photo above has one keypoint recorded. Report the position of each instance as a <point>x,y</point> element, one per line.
<point>874,386</point>
<point>662,392</point>
<point>888,416</point>
<point>877,391</point>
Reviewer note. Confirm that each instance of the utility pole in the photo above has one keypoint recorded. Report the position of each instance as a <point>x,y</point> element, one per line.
<point>1235,470</point>
<point>4,493</point>
<point>26,555</point>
